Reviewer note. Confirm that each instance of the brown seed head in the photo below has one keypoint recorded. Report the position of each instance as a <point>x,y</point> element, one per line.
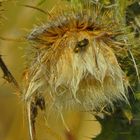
<point>75,65</point>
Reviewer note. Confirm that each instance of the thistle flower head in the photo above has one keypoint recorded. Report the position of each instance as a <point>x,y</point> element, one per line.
<point>75,66</point>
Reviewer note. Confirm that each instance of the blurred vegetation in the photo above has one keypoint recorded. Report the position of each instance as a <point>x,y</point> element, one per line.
<point>16,22</point>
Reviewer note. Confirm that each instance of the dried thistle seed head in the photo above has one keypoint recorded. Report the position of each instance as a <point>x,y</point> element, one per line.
<point>75,65</point>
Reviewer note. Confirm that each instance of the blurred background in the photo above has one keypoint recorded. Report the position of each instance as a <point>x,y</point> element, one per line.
<point>15,24</point>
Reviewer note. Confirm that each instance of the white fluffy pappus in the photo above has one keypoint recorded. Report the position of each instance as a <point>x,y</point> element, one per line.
<point>75,66</point>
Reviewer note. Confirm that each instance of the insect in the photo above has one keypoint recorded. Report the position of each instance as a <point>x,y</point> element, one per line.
<point>81,45</point>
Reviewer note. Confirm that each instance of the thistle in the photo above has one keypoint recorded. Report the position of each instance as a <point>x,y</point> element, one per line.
<point>75,66</point>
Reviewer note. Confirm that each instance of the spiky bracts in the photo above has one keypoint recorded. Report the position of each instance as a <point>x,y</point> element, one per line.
<point>75,66</point>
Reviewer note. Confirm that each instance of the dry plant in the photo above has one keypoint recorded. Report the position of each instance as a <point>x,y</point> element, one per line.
<point>74,66</point>
<point>77,62</point>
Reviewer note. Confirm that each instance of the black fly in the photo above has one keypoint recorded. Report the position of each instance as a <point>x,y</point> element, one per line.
<point>81,45</point>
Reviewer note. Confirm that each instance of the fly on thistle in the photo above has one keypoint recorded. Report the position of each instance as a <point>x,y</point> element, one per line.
<point>75,65</point>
